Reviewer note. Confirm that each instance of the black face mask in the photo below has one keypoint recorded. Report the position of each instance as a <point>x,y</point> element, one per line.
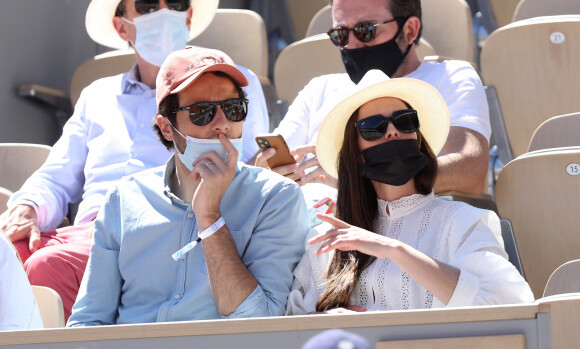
<point>386,57</point>
<point>394,162</point>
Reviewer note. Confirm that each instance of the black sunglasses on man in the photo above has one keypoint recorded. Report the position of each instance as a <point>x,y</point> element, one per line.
<point>144,7</point>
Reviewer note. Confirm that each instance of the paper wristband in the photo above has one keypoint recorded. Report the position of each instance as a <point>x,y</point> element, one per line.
<point>203,235</point>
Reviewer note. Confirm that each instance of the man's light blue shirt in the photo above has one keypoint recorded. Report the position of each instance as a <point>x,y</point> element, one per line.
<point>132,278</point>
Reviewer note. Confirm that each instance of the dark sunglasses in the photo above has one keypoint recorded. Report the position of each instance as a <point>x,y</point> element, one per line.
<point>144,7</point>
<point>202,113</point>
<point>375,127</point>
<point>364,32</point>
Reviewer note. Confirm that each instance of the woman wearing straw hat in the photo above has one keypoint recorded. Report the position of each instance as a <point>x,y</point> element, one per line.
<point>393,244</point>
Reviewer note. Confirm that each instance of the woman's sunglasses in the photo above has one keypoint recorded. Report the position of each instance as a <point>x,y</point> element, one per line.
<point>375,127</point>
<point>364,32</point>
<point>144,7</point>
<point>202,113</point>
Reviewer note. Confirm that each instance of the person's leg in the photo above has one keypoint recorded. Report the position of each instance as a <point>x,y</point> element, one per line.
<point>48,238</point>
<point>61,264</point>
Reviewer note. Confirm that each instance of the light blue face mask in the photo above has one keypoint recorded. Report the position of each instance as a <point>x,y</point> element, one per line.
<point>196,147</point>
<point>160,33</point>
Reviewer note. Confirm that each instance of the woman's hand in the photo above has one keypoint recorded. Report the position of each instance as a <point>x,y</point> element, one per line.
<point>346,237</point>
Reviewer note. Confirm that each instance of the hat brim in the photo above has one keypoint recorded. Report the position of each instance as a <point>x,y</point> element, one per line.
<point>100,13</point>
<point>230,70</point>
<point>431,110</point>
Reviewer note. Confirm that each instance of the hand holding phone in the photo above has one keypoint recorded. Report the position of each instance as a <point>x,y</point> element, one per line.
<point>276,141</point>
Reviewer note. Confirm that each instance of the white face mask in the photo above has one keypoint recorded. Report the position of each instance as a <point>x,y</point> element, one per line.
<point>196,147</point>
<point>160,33</point>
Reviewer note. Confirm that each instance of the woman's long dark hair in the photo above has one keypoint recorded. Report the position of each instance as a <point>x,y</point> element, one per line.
<point>357,205</point>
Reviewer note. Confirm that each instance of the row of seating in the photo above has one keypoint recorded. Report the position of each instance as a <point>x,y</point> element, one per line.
<point>565,279</point>
<point>525,82</point>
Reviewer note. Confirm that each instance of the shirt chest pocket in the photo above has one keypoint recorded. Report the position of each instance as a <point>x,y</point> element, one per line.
<point>241,239</point>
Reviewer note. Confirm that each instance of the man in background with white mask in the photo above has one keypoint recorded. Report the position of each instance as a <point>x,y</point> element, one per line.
<point>108,137</point>
<point>205,236</point>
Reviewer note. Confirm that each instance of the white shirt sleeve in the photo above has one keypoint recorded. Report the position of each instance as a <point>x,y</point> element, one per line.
<point>18,307</point>
<point>258,120</point>
<point>309,277</point>
<point>487,277</point>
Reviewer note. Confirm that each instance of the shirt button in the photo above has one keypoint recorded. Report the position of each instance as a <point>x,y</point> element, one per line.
<point>177,296</point>
<point>190,215</point>
<point>141,125</point>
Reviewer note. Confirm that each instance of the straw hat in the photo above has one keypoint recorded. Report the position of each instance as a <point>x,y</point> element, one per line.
<point>431,110</point>
<point>99,21</point>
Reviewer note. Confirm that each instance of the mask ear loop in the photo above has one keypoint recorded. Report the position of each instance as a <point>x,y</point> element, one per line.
<point>399,33</point>
<point>181,134</point>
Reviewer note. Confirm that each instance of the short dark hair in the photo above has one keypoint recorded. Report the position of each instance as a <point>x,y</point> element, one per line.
<point>404,9</point>
<point>121,9</point>
<point>171,102</point>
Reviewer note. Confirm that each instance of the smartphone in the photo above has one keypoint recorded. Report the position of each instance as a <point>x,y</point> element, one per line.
<point>276,141</point>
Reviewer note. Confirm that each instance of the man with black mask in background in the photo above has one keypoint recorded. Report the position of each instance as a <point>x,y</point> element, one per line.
<point>382,34</point>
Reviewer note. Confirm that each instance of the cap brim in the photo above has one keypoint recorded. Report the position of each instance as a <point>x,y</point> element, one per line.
<point>231,71</point>
<point>431,109</point>
<point>100,13</point>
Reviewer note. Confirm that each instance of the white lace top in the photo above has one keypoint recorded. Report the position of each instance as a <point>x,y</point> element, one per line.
<point>455,233</point>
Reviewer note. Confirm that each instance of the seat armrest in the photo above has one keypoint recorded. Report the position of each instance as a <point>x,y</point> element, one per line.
<point>484,201</point>
<point>498,131</point>
<point>53,97</point>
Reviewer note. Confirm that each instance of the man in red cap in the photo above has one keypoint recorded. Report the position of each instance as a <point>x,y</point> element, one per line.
<point>108,137</point>
<point>146,264</point>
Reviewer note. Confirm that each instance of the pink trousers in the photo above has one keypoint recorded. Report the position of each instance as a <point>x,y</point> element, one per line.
<point>60,262</point>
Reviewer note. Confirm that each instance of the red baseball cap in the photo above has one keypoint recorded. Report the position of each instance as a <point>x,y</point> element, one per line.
<point>181,68</point>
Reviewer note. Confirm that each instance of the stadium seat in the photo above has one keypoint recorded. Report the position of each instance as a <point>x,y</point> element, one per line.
<point>18,161</point>
<point>50,304</point>
<point>448,27</point>
<point>497,13</point>
<point>531,71</point>
<point>321,22</point>
<point>565,279</point>
<point>536,8</point>
<point>4,196</point>
<point>556,132</point>
<point>301,13</point>
<point>538,193</point>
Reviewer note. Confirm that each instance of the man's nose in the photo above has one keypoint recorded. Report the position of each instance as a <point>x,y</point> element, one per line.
<point>220,122</point>
<point>353,42</point>
<point>162,4</point>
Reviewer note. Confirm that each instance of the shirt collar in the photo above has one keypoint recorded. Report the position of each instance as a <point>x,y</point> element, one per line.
<point>403,205</point>
<point>167,174</point>
<point>132,80</point>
